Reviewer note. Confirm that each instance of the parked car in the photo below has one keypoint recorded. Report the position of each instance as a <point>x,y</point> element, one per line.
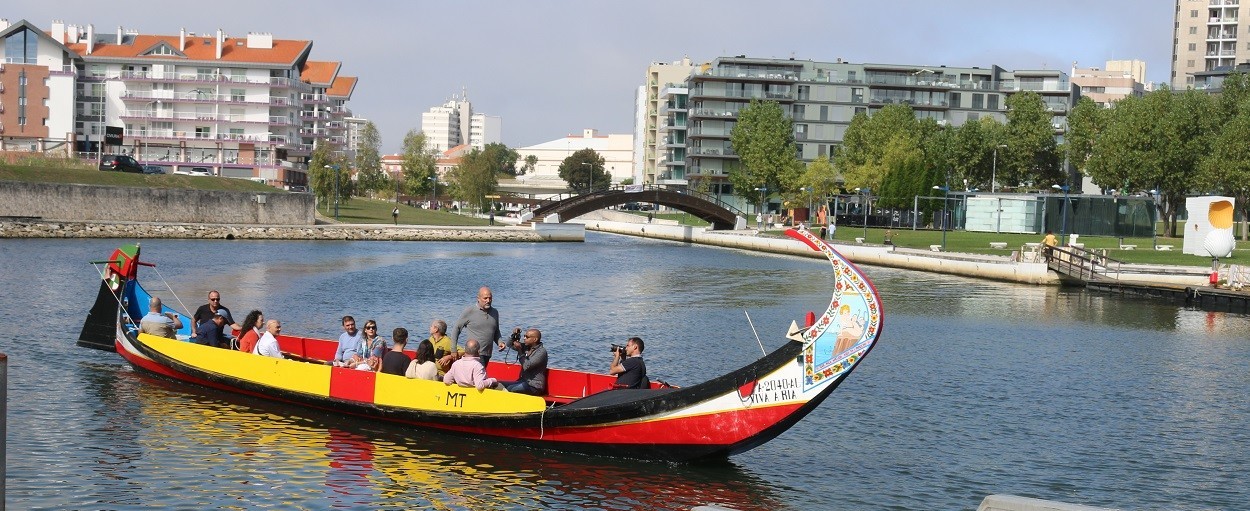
<point>120,163</point>
<point>631,206</point>
<point>153,169</point>
<point>200,171</point>
<point>297,189</point>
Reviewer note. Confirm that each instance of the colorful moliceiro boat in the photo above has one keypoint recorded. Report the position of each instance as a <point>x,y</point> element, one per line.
<point>711,420</point>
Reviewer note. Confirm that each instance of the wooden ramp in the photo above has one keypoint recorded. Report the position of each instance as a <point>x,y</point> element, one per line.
<point>1080,267</point>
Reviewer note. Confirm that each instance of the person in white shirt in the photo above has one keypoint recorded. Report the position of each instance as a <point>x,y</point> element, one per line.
<point>268,345</point>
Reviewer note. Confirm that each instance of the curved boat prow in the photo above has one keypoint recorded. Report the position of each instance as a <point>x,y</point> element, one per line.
<point>851,324</point>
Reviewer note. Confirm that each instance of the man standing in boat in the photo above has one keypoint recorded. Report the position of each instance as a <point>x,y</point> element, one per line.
<point>480,321</point>
<point>627,365</point>
<point>532,356</point>
<point>206,312</point>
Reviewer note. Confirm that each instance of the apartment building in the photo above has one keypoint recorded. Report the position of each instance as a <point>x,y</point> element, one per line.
<point>1206,36</point>
<point>1120,79</point>
<point>823,97</point>
<point>454,123</point>
<point>670,143</point>
<point>251,106</point>
<point>37,79</point>
<point>649,152</point>
<point>617,151</point>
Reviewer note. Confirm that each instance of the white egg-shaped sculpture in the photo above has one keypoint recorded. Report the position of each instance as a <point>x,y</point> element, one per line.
<point>1219,242</point>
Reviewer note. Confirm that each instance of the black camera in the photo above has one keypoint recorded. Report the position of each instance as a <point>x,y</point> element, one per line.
<point>617,348</point>
<point>516,335</point>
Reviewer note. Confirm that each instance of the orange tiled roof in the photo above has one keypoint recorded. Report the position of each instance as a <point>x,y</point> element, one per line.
<point>233,49</point>
<point>319,73</point>
<point>343,87</point>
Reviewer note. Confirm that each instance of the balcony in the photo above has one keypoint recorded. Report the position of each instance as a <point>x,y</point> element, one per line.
<point>172,77</point>
<point>311,115</point>
<point>188,97</point>
<point>315,99</point>
<point>712,151</point>
<point>313,132</point>
<point>278,120</point>
<point>752,74</point>
<point>714,112</point>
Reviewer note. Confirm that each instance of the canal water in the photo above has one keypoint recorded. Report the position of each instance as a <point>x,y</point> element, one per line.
<point>975,387</point>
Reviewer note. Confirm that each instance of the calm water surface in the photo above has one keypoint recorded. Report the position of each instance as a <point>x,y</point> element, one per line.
<point>975,388</point>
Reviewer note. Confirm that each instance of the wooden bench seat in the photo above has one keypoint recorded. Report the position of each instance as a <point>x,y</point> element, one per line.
<point>998,244</point>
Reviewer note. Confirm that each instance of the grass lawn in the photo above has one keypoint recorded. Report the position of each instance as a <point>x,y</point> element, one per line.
<point>373,211</point>
<point>681,218</point>
<point>91,176</point>
<point>979,243</point>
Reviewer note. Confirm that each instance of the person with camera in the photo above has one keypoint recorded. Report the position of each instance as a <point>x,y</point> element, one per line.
<point>532,356</point>
<point>627,365</point>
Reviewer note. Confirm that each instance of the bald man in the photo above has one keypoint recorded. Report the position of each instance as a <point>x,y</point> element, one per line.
<point>161,324</point>
<point>481,322</point>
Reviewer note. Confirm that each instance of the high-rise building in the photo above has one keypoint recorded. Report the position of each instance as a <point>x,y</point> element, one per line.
<point>37,80</point>
<point>647,126</point>
<point>1121,79</point>
<point>1206,36</point>
<point>454,123</point>
<point>249,106</point>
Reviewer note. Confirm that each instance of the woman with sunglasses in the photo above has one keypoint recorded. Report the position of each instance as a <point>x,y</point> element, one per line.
<point>371,344</point>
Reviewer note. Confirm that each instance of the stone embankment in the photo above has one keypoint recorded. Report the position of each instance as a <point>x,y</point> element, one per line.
<point>337,232</point>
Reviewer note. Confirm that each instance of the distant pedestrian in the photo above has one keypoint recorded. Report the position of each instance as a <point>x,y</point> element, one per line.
<point>395,215</point>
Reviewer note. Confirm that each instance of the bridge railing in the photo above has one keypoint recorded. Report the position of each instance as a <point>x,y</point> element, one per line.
<point>714,199</point>
<point>1083,264</point>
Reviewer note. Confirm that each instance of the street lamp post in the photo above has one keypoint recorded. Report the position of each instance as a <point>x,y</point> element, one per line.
<point>591,172</point>
<point>760,216</point>
<point>946,193</point>
<point>336,190</point>
<point>1063,227</point>
<point>809,204</point>
<point>433,190</point>
<point>1154,221</point>
<point>994,170</point>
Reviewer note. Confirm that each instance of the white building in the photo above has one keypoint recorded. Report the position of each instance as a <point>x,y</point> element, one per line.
<point>485,129</point>
<point>453,123</point>
<point>37,79</point>
<point>617,152</point>
<point>249,106</point>
<point>648,119</point>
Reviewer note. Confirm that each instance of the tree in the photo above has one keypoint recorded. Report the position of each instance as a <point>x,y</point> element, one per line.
<point>627,181</point>
<point>1227,169</point>
<point>531,161</point>
<point>1031,155</point>
<point>501,158</point>
<point>584,168</point>
<point>418,165</point>
<point>321,176</point>
<point>1085,123</point>
<point>863,146</point>
<point>474,178</point>
<point>821,177</point>
<point>369,176</point>
<point>763,137</point>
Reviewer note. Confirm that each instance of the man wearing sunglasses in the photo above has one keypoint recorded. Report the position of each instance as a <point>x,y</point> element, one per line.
<point>208,310</point>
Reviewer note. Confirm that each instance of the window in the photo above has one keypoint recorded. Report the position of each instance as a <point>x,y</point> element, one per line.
<point>1189,63</point>
<point>824,112</point>
<point>1193,13</point>
<point>861,110</point>
<point>804,92</point>
<point>992,102</point>
<point>800,111</point>
<point>955,100</point>
<point>20,47</point>
<point>800,132</point>
<point>857,94</point>
<point>1193,47</point>
<point>238,95</point>
<point>978,101</point>
<point>852,77</point>
<point>203,132</point>
<point>1193,30</point>
<point>822,149</point>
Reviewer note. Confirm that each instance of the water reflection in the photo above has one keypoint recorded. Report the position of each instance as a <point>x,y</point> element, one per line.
<point>252,454</point>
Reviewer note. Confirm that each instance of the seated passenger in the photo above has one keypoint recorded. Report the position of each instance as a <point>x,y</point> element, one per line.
<point>396,361</point>
<point>444,355</point>
<point>469,371</point>
<point>209,333</point>
<point>532,356</point>
<point>249,335</point>
<point>627,365</point>
<point>424,366</point>
<point>160,324</point>
<point>372,344</point>
<point>268,344</point>
<point>349,342</point>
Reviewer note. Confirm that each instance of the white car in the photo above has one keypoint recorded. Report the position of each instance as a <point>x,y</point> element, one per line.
<point>194,171</point>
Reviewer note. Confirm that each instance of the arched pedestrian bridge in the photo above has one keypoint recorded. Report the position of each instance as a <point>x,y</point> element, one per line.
<point>722,216</point>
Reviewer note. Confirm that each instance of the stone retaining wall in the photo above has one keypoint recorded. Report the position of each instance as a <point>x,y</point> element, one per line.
<point>341,232</point>
<point>91,203</point>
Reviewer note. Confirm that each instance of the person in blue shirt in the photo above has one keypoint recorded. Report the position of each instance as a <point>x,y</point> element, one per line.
<point>349,342</point>
<point>210,333</point>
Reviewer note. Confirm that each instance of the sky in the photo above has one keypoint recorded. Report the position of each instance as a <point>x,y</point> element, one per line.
<point>554,68</point>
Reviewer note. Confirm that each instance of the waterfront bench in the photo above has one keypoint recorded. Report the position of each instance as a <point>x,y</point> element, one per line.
<point>1163,247</point>
<point>998,244</point>
<point>1128,247</point>
<point>935,248</point>
<point>859,241</point>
